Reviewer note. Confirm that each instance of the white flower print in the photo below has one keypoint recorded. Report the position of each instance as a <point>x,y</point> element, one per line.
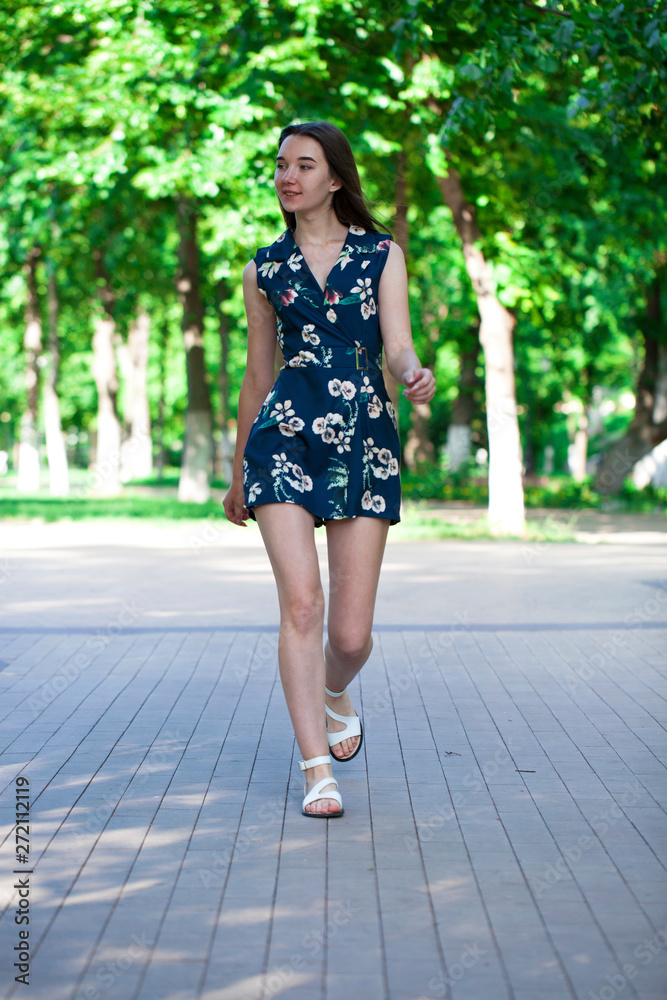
<point>345,257</point>
<point>393,467</point>
<point>254,492</point>
<point>301,482</point>
<point>342,442</point>
<point>374,407</point>
<point>367,500</point>
<point>331,316</point>
<point>345,389</point>
<point>293,262</point>
<point>385,456</point>
<point>269,268</point>
<point>281,463</point>
<point>378,504</point>
<point>362,288</point>
<point>364,264</point>
<point>368,309</point>
<point>291,427</point>
<point>308,335</point>
<point>282,409</point>
<point>373,400</point>
<point>324,426</point>
<point>301,359</point>
<point>357,231</point>
<point>391,411</point>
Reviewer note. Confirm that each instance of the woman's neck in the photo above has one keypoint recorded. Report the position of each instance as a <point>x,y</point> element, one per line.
<point>318,229</point>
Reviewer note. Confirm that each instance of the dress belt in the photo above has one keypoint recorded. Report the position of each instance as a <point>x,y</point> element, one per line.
<point>358,358</point>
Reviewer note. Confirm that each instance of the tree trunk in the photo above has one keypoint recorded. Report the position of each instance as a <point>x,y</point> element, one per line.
<point>107,457</point>
<point>506,506</point>
<point>649,425</point>
<point>137,450</point>
<point>196,463</point>
<point>28,471</point>
<point>161,459</point>
<point>459,432</point>
<point>56,452</point>
<point>226,443</point>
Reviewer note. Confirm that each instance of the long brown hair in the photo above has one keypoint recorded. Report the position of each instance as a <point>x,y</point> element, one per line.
<point>348,201</point>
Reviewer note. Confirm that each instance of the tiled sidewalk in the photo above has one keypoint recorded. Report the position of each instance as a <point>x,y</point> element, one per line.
<point>504,835</point>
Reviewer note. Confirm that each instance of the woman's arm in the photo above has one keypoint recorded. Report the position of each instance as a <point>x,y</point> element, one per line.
<point>257,381</point>
<point>394,315</point>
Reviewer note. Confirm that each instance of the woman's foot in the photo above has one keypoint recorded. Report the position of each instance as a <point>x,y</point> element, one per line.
<point>341,705</point>
<point>323,806</point>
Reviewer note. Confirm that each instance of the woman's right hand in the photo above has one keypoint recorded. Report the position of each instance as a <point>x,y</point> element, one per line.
<point>234,505</point>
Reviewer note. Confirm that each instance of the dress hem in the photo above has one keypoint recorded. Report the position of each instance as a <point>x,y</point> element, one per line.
<point>319,520</point>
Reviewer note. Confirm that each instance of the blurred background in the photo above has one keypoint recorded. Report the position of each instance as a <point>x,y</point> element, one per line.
<point>516,151</point>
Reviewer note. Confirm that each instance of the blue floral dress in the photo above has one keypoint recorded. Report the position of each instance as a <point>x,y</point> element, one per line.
<point>325,437</point>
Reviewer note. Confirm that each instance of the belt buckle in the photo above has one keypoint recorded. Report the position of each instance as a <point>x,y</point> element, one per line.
<point>358,351</point>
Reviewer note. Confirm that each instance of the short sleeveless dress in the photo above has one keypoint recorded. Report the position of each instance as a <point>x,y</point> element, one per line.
<point>325,437</point>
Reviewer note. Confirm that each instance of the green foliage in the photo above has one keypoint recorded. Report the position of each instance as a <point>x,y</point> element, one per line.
<point>108,112</point>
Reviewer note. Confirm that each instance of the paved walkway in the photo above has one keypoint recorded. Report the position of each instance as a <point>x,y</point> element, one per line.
<point>504,834</point>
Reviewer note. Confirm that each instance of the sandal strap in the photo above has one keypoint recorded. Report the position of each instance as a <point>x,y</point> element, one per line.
<point>340,718</point>
<point>317,793</point>
<point>314,761</point>
<point>335,694</point>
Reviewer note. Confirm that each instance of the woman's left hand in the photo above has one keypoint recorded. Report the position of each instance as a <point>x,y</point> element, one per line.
<point>419,385</point>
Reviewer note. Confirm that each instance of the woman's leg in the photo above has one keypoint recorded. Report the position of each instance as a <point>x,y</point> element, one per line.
<point>289,536</point>
<point>356,547</point>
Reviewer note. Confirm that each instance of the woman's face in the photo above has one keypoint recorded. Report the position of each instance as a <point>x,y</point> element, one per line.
<point>303,179</point>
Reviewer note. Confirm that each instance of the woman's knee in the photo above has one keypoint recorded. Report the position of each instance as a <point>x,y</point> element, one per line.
<point>304,611</point>
<point>350,644</point>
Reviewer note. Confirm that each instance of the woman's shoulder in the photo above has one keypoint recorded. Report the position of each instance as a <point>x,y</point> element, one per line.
<point>278,250</point>
<point>369,239</point>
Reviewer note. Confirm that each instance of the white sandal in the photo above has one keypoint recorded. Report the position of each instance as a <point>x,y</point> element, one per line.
<point>316,791</point>
<point>352,727</point>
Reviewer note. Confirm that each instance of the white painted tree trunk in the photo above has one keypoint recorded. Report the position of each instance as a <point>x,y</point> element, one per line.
<point>193,484</point>
<point>28,470</point>
<point>56,452</point>
<point>579,451</point>
<point>459,443</point>
<point>137,450</point>
<point>506,504</point>
<point>106,469</point>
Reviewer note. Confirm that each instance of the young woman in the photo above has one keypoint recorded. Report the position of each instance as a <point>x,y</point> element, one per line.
<point>320,445</point>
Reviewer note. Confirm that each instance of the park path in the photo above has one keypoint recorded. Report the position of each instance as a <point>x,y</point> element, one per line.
<point>504,834</point>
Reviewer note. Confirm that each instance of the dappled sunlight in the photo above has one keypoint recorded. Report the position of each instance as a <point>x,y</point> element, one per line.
<point>256,986</point>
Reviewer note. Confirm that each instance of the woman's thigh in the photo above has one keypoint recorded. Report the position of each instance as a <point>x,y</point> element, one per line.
<point>355,547</point>
<point>288,533</point>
